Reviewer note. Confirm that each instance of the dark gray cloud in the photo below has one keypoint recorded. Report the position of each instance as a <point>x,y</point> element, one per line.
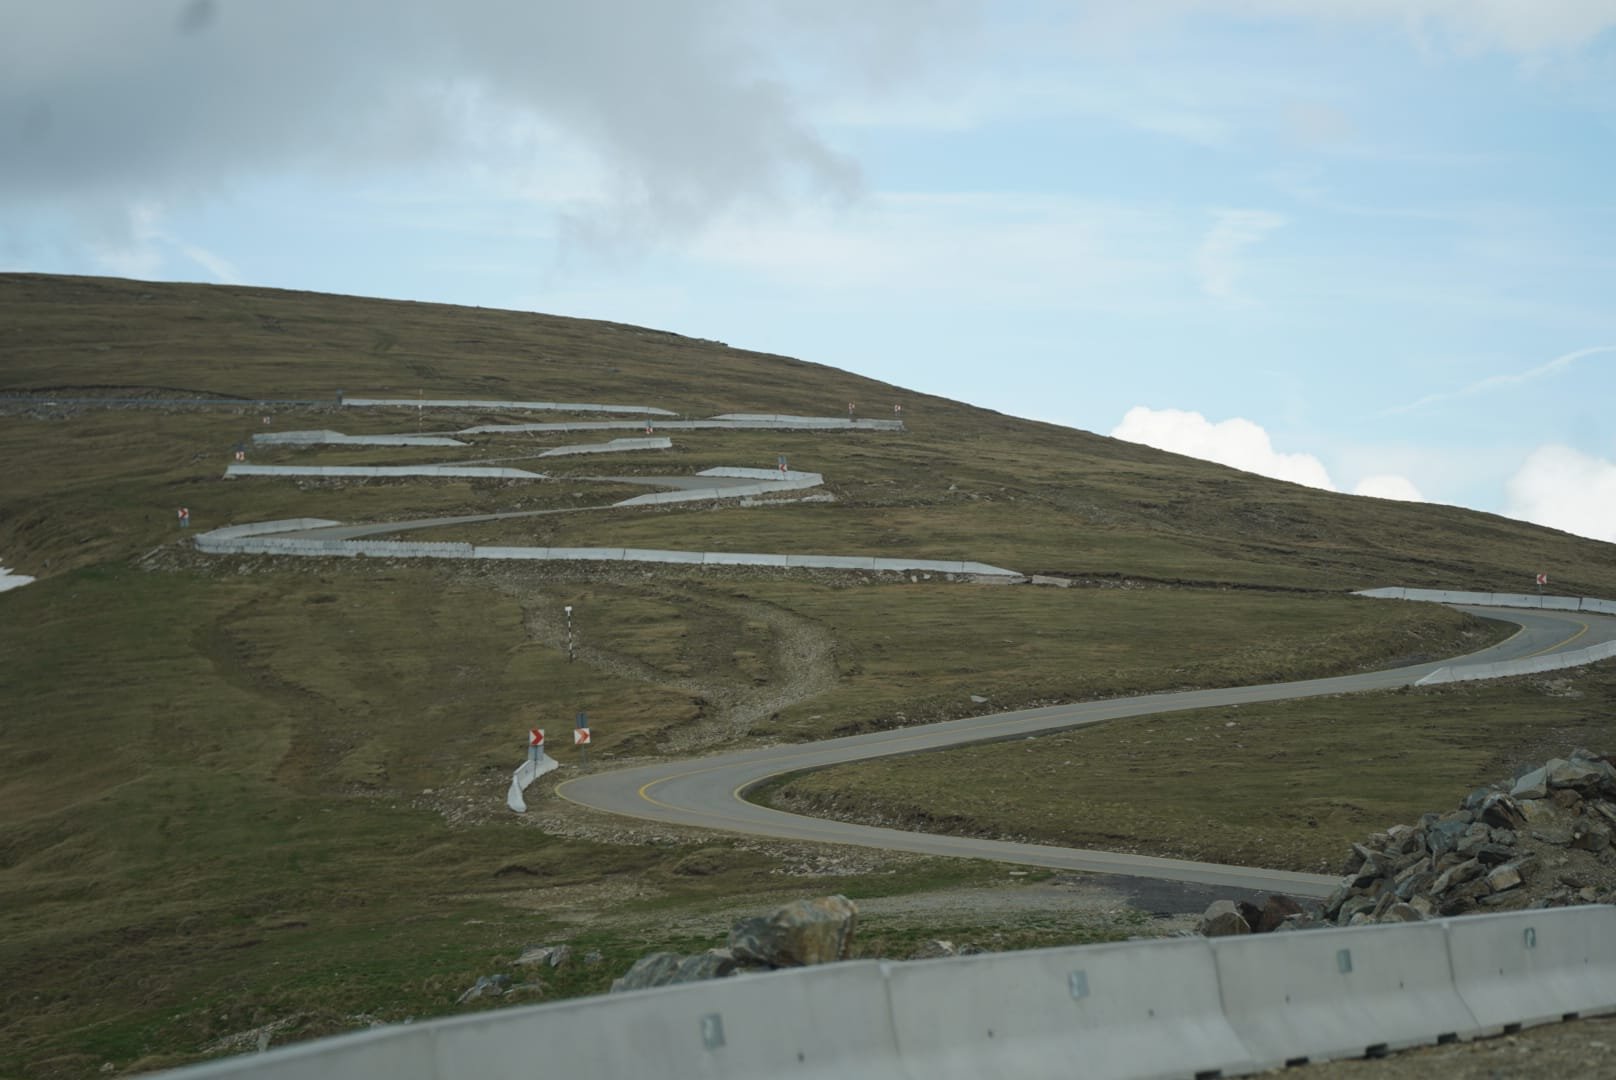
<point>689,106</point>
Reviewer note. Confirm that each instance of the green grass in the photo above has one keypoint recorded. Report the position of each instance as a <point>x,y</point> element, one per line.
<point>251,789</point>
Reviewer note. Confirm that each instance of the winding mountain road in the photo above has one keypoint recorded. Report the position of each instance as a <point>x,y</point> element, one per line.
<point>707,792</point>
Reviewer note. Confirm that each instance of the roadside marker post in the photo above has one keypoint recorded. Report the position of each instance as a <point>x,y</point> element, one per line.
<point>850,410</point>
<point>535,745</point>
<point>780,459</point>
<point>185,517</point>
<point>1542,580</point>
<point>580,737</point>
<point>568,610</point>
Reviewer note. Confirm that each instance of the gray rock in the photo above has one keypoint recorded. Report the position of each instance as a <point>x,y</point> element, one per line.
<point>934,950</point>
<point>1223,919</point>
<point>550,955</point>
<point>1404,839</point>
<point>1581,775</point>
<point>1458,875</point>
<point>1501,812</point>
<point>712,964</point>
<point>1534,785</point>
<point>1503,878</point>
<point>654,969</point>
<point>1402,913</point>
<point>1444,836</point>
<point>1493,854</point>
<point>802,932</point>
<point>593,957</point>
<point>1358,905</point>
<point>486,986</point>
<point>1590,836</point>
<point>1540,812</point>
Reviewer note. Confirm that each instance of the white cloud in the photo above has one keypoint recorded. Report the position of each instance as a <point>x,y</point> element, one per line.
<point>1400,488</point>
<point>1217,261</point>
<point>1242,444</point>
<point>1238,443</point>
<point>1566,489</point>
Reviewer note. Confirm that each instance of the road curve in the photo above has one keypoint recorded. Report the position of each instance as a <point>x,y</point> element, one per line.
<point>706,792</point>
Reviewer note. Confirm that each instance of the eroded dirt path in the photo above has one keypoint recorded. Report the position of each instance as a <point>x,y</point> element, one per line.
<point>800,662</point>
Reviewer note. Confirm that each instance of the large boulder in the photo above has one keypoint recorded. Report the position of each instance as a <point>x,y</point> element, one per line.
<point>803,932</point>
<point>1581,775</point>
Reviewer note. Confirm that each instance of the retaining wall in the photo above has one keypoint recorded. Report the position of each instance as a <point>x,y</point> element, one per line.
<point>523,406</point>
<point>1174,1007</point>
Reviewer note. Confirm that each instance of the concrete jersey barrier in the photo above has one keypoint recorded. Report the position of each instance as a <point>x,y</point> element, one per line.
<point>1531,665</point>
<point>1124,1011</point>
<point>260,539</point>
<point>337,438</point>
<point>383,471</point>
<point>1101,1012</point>
<point>514,406</point>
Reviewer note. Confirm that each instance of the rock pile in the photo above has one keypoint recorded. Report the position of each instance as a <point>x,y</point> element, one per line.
<point>1543,839</point>
<point>802,932</point>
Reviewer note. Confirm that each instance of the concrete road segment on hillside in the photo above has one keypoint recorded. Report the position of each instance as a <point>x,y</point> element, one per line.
<point>706,792</point>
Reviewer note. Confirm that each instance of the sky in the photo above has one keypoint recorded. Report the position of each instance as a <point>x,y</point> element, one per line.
<point>1365,245</point>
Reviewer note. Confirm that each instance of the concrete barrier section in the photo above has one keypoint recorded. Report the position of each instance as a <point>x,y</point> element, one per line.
<point>741,558</point>
<point>613,446</point>
<point>655,556</point>
<point>832,562</point>
<point>1326,994</point>
<point>826,1023</point>
<point>597,554</point>
<point>1136,1009</point>
<point>337,438</point>
<point>258,528</point>
<point>1518,970</point>
<point>496,552</point>
<point>518,406</point>
<point>1531,665</point>
<point>384,471</point>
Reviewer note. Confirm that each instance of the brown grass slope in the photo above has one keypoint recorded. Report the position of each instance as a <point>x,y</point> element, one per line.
<point>237,791</point>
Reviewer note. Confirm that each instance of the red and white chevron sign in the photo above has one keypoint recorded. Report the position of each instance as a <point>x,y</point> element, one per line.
<point>580,736</point>
<point>1543,579</point>
<point>535,736</point>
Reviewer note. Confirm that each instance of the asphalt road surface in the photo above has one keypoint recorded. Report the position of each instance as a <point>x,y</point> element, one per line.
<point>706,792</point>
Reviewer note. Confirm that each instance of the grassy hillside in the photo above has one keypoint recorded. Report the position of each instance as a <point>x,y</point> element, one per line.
<point>240,791</point>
